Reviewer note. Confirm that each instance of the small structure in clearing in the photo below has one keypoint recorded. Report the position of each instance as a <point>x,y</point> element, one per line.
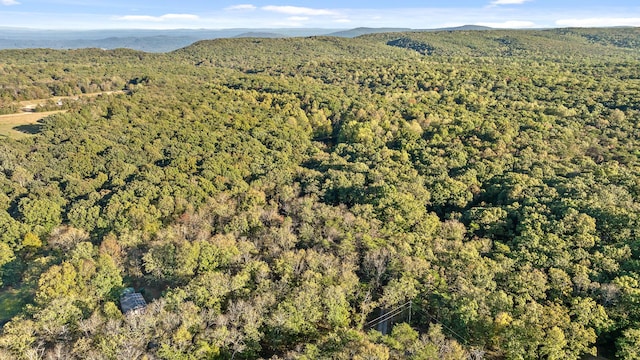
<point>131,302</point>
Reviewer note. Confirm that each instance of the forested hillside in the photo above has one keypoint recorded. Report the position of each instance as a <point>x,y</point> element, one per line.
<point>270,198</point>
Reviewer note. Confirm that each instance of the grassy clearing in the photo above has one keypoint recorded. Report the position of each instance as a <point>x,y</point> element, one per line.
<point>34,103</point>
<point>21,125</point>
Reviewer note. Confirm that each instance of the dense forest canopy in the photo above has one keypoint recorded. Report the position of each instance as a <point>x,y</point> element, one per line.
<point>270,198</point>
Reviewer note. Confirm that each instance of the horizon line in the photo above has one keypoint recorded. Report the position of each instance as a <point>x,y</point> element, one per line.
<point>313,28</point>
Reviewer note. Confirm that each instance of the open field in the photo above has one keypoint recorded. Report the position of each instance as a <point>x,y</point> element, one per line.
<point>33,103</point>
<point>24,124</point>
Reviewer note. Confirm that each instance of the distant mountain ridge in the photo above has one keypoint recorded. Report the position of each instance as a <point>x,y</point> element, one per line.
<point>144,40</point>
<point>368,31</point>
<point>160,43</point>
<point>168,40</point>
<point>260,34</point>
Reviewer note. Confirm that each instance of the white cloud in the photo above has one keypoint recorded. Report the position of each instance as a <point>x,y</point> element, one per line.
<point>161,18</point>
<point>296,10</point>
<point>179,17</point>
<point>511,24</point>
<point>599,22</point>
<point>9,2</point>
<point>342,21</point>
<point>508,2</point>
<point>241,7</point>
<point>138,18</point>
<point>297,18</point>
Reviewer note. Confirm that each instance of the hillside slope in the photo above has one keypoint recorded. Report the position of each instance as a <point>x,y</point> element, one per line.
<point>543,44</point>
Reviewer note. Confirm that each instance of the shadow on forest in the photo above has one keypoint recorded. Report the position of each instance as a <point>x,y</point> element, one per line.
<point>31,129</point>
<point>150,290</point>
<point>12,301</point>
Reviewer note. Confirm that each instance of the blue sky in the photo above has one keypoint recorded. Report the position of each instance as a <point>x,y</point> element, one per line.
<point>210,14</point>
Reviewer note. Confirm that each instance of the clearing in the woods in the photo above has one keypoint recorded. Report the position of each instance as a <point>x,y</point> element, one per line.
<point>23,124</point>
<point>26,122</point>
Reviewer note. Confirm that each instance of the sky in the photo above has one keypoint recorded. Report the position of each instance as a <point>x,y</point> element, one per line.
<point>330,14</point>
